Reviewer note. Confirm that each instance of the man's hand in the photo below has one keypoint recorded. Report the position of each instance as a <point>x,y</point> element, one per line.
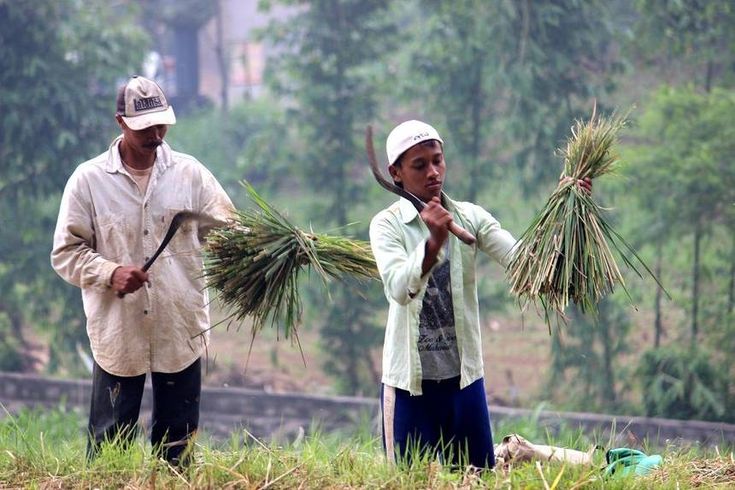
<point>437,219</point>
<point>585,184</point>
<point>127,279</point>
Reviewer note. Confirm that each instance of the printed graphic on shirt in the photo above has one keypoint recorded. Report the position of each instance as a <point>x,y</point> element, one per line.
<point>437,336</point>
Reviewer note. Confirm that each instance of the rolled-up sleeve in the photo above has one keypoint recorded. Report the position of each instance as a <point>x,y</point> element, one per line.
<point>493,239</point>
<point>217,208</point>
<point>73,255</point>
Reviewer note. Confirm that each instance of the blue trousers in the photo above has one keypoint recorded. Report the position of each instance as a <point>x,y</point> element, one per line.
<point>445,420</point>
<point>115,408</point>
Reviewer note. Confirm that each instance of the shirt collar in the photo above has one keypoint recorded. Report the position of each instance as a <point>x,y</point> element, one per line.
<point>164,158</point>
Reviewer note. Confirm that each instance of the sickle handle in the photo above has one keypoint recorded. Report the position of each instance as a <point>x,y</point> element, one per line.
<point>462,234</point>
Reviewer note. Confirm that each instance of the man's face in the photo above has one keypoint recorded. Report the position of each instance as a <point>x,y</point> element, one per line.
<point>143,140</point>
<point>421,170</point>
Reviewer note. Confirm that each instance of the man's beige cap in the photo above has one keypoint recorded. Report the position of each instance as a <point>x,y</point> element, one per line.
<point>142,104</point>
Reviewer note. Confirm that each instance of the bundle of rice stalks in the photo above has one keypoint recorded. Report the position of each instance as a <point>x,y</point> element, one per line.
<point>254,264</point>
<point>565,254</point>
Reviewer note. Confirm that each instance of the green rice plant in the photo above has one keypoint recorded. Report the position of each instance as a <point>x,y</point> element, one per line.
<point>254,264</point>
<point>566,254</point>
<point>319,460</point>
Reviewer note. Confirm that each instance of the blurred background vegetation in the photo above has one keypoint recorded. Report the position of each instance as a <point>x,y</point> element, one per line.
<point>502,80</point>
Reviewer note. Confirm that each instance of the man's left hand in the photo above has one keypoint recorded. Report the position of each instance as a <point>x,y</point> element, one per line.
<point>585,184</point>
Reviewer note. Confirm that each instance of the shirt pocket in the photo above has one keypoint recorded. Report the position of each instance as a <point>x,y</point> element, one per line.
<point>113,237</point>
<point>184,241</point>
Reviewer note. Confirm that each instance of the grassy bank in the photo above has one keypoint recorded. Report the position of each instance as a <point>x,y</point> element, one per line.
<point>47,450</point>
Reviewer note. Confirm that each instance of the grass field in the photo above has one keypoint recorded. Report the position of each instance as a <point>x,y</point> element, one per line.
<point>47,450</point>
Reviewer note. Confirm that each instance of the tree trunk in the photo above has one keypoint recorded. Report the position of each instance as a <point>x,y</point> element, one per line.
<point>16,328</point>
<point>608,386</point>
<point>708,76</point>
<point>657,322</point>
<point>731,292</point>
<point>476,123</point>
<point>695,282</point>
<point>186,51</point>
<point>222,61</point>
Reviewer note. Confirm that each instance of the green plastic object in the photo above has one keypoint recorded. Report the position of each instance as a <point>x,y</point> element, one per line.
<point>624,461</point>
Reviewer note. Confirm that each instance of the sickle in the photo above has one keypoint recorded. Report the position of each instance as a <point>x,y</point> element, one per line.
<point>454,228</point>
<point>176,222</point>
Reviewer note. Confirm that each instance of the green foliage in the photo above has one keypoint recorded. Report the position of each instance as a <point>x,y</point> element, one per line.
<point>681,384</point>
<point>331,51</point>
<point>684,146</point>
<point>506,79</point>
<point>587,368</point>
<point>251,142</point>
<point>698,32</point>
<point>452,51</point>
<point>349,331</point>
<point>11,358</point>
<point>60,62</point>
<point>327,69</point>
<point>59,65</point>
<point>683,150</point>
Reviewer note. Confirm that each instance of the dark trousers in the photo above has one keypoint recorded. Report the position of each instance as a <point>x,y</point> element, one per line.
<point>115,408</point>
<point>445,420</point>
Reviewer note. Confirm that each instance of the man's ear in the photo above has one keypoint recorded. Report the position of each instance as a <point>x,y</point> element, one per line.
<point>119,120</point>
<point>394,173</point>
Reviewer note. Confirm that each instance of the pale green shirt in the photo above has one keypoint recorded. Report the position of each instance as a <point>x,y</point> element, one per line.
<point>398,236</point>
<point>105,221</point>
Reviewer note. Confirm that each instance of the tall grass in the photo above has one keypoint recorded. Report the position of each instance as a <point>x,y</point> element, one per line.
<point>46,449</point>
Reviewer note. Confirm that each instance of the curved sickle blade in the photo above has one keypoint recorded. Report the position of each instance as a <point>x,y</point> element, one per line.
<point>387,184</point>
<point>454,228</point>
<point>176,222</point>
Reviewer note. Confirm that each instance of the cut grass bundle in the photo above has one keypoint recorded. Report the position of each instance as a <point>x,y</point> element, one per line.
<point>565,254</point>
<point>254,264</point>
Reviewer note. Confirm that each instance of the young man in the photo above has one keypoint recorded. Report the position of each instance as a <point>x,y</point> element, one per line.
<point>115,211</point>
<point>433,391</point>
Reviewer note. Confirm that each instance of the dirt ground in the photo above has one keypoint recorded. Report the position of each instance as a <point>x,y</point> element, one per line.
<point>516,357</point>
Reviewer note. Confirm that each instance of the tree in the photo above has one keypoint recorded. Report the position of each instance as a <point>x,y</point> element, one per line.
<point>330,52</point>
<point>590,350</point>
<point>184,18</point>
<point>684,156</point>
<point>508,78</point>
<point>683,385</point>
<point>697,32</point>
<point>697,37</point>
<point>60,62</point>
<point>683,151</point>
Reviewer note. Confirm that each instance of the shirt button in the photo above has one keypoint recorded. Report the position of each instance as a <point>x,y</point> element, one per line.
<point>146,259</point>
<point>145,232</point>
<point>145,312</point>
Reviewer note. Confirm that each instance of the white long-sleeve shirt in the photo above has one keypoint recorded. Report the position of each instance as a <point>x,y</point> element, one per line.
<point>398,237</point>
<point>105,222</point>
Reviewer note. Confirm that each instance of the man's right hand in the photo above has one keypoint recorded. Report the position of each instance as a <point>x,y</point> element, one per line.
<point>128,279</point>
<point>437,219</point>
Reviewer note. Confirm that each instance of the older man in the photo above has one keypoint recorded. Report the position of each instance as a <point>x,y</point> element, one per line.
<point>115,210</point>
